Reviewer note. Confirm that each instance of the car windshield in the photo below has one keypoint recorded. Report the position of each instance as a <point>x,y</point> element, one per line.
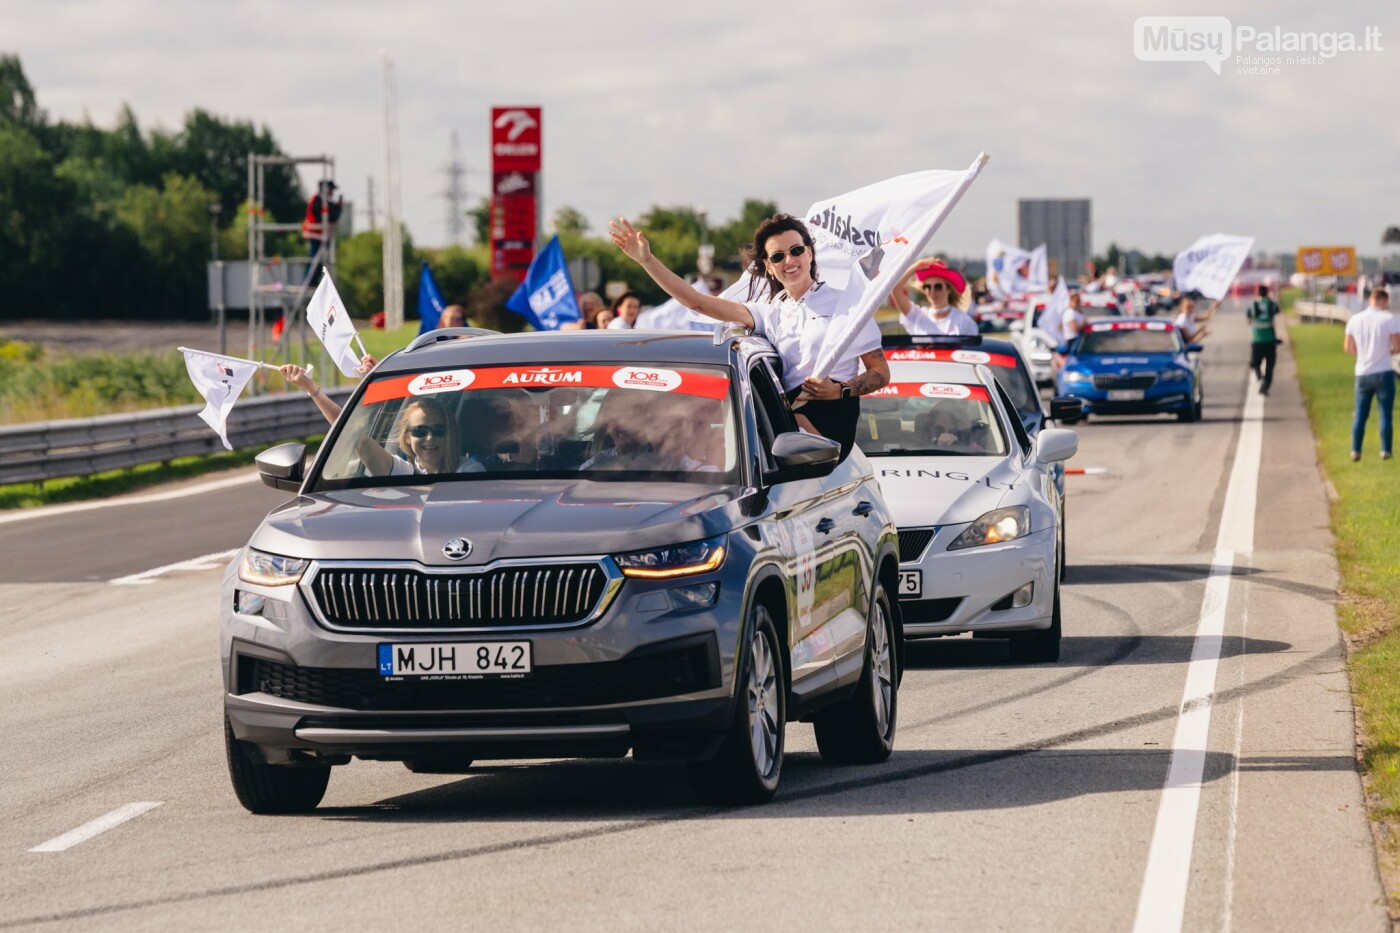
<point>927,419</point>
<point>1098,342</point>
<point>598,421</point>
<point>1005,366</point>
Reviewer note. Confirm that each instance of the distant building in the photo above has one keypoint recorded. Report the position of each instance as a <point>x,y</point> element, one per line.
<point>1064,225</point>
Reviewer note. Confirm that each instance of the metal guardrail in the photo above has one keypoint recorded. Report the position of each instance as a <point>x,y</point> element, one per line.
<point>44,450</point>
<point>1313,311</point>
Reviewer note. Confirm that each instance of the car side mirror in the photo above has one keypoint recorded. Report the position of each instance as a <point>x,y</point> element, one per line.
<point>1194,348</point>
<point>1066,408</point>
<point>282,467</point>
<point>1062,349</point>
<point>800,455</point>
<point>1055,444</point>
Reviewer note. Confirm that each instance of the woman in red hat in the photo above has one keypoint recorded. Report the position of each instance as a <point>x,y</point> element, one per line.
<point>948,297</point>
<point>794,312</point>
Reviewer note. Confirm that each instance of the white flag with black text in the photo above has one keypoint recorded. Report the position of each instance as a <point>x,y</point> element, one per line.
<point>220,379</point>
<point>328,318</point>
<point>1210,264</point>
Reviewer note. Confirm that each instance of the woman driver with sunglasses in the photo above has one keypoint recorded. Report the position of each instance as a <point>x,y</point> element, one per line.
<point>947,295</point>
<point>794,315</point>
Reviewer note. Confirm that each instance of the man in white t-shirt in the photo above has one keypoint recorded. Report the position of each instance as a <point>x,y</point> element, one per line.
<point>1372,336</point>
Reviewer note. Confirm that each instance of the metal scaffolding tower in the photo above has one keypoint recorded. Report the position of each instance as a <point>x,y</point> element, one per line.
<point>284,283</point>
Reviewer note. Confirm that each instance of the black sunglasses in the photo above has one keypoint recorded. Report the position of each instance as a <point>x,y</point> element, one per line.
<point>424,430</point>
<point>793,251</point>
<point>935,287</point>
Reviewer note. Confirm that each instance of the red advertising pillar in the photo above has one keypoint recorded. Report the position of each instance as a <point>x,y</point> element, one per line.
<point>515,190</point>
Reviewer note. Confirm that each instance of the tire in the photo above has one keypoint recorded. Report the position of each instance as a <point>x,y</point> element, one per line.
<point>1187,415</point>
<point>860,730</point>
<point>1041,646</point>
<point>264,788</point>
<point>1060,548</point>
<point>438,765</point>
<point>750,762</point>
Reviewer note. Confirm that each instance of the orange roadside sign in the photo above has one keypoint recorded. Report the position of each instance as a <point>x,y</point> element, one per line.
<point>1327,260</point>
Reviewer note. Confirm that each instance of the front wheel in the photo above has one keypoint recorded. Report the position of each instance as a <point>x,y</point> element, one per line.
<point>860,730</point>
<point>750,761</point>
<point>1041,646</point>
<point>265,788</point>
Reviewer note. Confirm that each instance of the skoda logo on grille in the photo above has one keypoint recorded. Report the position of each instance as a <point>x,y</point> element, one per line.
<point>457,549</point>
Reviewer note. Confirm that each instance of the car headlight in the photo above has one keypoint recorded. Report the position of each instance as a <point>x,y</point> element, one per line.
<point>1175,375</point>
<point>677,560</point>
<point>270,569</point>
<point>996,527</point>
<point>1074,375</point>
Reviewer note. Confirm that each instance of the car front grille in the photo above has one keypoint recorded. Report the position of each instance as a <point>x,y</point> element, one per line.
<point>913,541</point>
<point>379,598</point>
<point>645,675</point>
<point>1132,381</point>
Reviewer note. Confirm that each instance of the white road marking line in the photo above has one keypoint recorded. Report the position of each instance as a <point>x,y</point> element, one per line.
<point>96,827</point>
<point>196,563</point>
<point>1162,903</point>
<point>48,511</point>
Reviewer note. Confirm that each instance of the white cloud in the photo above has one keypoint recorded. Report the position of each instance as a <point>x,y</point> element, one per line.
<point>708,104</point>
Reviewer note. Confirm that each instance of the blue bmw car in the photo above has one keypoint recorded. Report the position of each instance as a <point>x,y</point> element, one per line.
<point>1133,366</point>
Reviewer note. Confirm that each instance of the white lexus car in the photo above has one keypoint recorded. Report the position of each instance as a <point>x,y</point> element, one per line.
<point>972,495</point>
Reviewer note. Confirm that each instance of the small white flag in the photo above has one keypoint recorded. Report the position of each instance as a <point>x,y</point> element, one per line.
<point>328,318</point>
<point>1014,271</point>
<point>220,379</point>
<point>1052,318</point>
<point>1211,263</point>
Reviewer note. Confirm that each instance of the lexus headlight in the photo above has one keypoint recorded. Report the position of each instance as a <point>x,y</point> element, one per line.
<point>270,569</point>
<point>678,560</point>
<point>1175,375</point>
<point>996,527</point>
<point>1074,375</point>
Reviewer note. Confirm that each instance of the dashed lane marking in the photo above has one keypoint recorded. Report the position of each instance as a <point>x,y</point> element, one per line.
<point>96,827</point>
<point>208,561</point>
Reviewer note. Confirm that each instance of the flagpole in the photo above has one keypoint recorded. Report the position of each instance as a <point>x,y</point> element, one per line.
<point>238,359</point>
<point>914,249</point>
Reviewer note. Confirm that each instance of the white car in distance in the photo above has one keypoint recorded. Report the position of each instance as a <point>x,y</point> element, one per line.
<point>973,498</point>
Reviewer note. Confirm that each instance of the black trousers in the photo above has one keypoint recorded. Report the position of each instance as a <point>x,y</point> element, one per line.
<point>1263,355</point>
<point>835,419</point>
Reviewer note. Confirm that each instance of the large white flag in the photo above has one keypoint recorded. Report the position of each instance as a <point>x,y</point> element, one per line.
<point>1052,318</point>
<point>672,315</point>
<point>868,239</point>
<point>1210,264</point>
<point>1015,271</point>
<point>328,318</point>
<point>220,379</point>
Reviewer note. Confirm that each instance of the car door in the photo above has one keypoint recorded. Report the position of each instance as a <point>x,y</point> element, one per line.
<point>819,525</point>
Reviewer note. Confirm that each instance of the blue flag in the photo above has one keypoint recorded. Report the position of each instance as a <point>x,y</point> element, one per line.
<point>546,297</point>
<point>430,303</point>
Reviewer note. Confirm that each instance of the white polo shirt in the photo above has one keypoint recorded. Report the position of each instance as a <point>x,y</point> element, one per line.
<point>799,329</point>
<point>1371,329</point>
<point>922,320</point>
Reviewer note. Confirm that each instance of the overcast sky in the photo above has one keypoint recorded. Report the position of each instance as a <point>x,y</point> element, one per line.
<point>707,103</point>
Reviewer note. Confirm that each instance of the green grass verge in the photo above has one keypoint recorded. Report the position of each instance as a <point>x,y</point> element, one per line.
<point>116,482</point>
<point>1366,523</point>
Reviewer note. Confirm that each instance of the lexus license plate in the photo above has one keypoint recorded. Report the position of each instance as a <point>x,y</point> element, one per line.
<point>911,583</point>
<point>1125,395</point>
<point>455,660</point>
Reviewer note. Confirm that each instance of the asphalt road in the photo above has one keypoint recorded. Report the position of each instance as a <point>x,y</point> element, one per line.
<point>1019,797</point>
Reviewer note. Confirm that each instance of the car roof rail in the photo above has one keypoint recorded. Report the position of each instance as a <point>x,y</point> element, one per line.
<point>728,331</point>
<point>930,340</point>
<point>448,333</point>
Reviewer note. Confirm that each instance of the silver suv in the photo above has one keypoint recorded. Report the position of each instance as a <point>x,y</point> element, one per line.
<point>559,545</point>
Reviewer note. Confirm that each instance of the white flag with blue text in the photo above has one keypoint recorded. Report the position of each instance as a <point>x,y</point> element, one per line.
<point>1210,264</point>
